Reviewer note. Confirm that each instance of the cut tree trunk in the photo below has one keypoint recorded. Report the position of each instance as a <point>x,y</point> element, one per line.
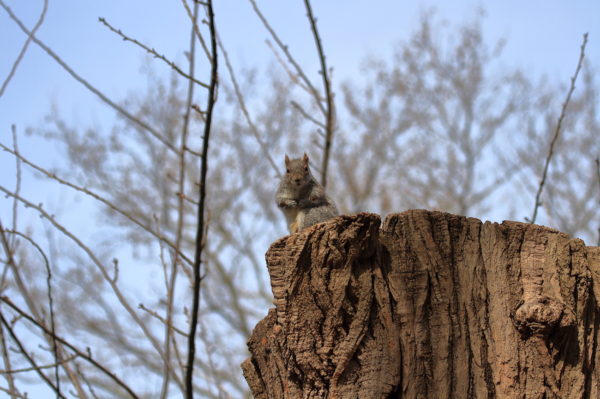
<point>430,305</point>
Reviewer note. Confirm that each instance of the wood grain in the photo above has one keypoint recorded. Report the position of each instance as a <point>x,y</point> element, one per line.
<point>428,305</point>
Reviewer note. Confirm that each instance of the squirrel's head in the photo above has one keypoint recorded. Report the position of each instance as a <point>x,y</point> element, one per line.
<point>297,171</point>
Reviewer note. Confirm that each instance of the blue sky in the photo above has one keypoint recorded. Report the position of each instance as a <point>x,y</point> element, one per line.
<point>543,37</point>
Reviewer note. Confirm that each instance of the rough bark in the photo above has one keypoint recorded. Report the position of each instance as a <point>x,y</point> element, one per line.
<point>430,305</point>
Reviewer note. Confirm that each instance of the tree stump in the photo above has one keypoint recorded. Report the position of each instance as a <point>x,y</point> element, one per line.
<point>430,305</point>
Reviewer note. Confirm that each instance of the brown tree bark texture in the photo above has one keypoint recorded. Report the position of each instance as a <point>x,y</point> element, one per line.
<point>430,305</point>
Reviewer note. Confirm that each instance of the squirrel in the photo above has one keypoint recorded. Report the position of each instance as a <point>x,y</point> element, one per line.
<point>301,198</point>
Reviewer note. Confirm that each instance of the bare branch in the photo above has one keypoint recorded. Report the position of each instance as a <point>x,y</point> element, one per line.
<point>79,353</point>
<point>57,360</point>
<point>195,108</point>
<point>13,393</point>
<point>293,77</point>
<point>200,233</point>
<point>29,358</point>
<point>196,28</point>
<point>101,267</point>
<point>20,283</point>
<point>25,293</point>
<point>157,135</point>
<point>305,114</point>
<point>242,103</point>
<point>24,49</point>
<point>153,52</point>
<point>12,388</point>
<point>18,177</point>
<point>46,366</point>
<point>97,197</point>
<point>558,126</point>
<point>86,380</point>
<point>180,204</point>
<point>289,56</point>
<point>162,320</point>
<point>329,113</point>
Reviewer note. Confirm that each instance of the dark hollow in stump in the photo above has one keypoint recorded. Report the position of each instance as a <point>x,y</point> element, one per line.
<point>430,305</point>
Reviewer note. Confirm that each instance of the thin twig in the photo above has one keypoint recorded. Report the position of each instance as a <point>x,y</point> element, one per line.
<point>180,203</point>
<point>8,366</point>
<point>46,366</point>
<point>294,78</point>
<point>558,126</point>
<point>18,176</point>
<point>162,320</point>
<point>305,114</point>
<point>20,283</point>
<point>289,56</point>
<point>23,289</point>
<point>79,353</point>
<point>242,103</point>
<point>209,359</point>
<point>13,393</point>
<point>24,49</point>
<point>196,28</point>
<point>28,357</point>
<point>195,108</point>
<point>329,114</point>
<point>152,51</point>
<point>97,197</point>
<point>101,267</point>
<point>200,236</point>
<point>153,132</point>
<point>87,382</point>
<point>57,360</point>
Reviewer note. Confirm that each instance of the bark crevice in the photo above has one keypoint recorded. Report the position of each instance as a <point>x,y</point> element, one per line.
<point>428,305</point>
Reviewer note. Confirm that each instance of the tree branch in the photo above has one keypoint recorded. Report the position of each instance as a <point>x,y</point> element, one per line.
<point>18,177</point>
<point>242,103</point>
<point>162,320</point>
<point>24,49</point>
<point>79,353</point>
<point>46,366</point>
<point>12,388</point>
<point>97,197</point>
<point>329,109</point>
<point>195,26</point>
<point>557,131</point>
<point>84,82</point>
<point>180,201</point>
<point>57,360</point>
<point>153,52</point>
<point>200,237</point>
<point>289,56</point>
<point>101,267</point>
<point>308,117</point>
<point>23,289</point>
<point>13,393</point>
<point>29,358</point>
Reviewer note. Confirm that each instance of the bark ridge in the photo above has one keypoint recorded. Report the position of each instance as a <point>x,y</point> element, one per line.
<point>428,305</point>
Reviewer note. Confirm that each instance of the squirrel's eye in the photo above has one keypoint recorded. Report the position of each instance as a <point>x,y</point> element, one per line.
<point>287,171</point>
<point>306,168</point>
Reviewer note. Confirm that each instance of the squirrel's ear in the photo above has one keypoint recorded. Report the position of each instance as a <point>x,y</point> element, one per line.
<point>305,159</point>
<point>287,159</point>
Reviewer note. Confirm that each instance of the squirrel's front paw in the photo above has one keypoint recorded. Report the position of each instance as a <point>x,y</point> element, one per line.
<point>288,204</point>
